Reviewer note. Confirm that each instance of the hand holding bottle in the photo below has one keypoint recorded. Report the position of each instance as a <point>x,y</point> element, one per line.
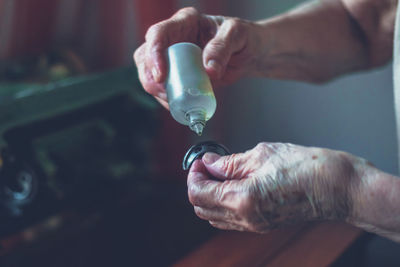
<point>230,48</point>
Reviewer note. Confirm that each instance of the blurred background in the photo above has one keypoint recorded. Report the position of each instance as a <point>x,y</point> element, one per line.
<point>353,113</point>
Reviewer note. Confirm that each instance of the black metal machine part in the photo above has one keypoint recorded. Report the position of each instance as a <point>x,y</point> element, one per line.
<point>18,183</point>
<point>197,151</point>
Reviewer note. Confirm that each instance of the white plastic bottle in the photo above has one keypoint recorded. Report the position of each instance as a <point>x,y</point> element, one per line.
<point>190,95</point>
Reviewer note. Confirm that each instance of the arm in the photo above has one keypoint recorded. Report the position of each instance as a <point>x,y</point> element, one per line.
<point>376,203</point>
<point>314,42</point>
<point>323,39</point>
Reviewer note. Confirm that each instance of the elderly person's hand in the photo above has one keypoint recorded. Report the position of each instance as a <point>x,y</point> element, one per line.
<point>273,184</point>
<point>230,48</point>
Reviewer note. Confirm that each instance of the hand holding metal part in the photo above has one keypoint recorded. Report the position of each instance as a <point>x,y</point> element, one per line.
<point>271,185</point>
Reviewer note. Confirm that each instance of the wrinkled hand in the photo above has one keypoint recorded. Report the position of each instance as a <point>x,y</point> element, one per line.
<point>230,48</point>
<point>271,185</point>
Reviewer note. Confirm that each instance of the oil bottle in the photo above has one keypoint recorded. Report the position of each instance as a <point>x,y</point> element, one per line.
<point>190,95</point>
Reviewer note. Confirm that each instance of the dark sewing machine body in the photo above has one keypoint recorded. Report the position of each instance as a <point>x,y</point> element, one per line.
<point>71,143</point>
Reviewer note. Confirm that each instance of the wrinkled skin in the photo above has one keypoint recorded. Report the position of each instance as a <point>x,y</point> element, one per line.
<point>271,185</point>
<point>229,48</point>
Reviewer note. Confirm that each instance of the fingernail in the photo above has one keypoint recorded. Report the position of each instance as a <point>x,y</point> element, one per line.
<point>156,74</point>
<point>209,158</point>
<point>214,65</point>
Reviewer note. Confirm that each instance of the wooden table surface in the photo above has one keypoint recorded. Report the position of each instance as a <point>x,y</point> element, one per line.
<point>318,244</point>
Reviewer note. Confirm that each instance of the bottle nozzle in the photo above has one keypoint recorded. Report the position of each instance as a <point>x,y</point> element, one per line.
<point>197,121</point>
<point>198,128</point>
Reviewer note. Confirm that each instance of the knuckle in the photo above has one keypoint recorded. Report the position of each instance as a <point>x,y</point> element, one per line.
<point>156,32</point>
<point>153,30</point>
<point>193,196</point>
<point>187,11</point>
<point>262,146</point>
<point>261,149</point>
<point>235,26</point>
<point>229,165</point>
<point>234,22</point>
<point>137,55</point>
<point>186,15</point>
<point>199,212</point>
<point>233,31</point>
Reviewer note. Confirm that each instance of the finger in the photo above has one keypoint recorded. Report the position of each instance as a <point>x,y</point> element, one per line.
<point>215,214</point>
<point>156,62</point>
<point>201,188</point>
<point>178,28</point>
<point>145,76</point>
<point>207,193</point>
<point>228,40</point>
<point>140,61</point>
<point>227,226</point>
<point>235,166</point>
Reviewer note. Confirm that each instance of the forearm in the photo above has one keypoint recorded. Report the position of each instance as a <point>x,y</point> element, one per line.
<point>376,202</point>
<point>321,40</point>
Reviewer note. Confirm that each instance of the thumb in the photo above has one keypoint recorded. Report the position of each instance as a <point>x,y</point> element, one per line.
<point>219,50</point>
<point>230,167</point>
